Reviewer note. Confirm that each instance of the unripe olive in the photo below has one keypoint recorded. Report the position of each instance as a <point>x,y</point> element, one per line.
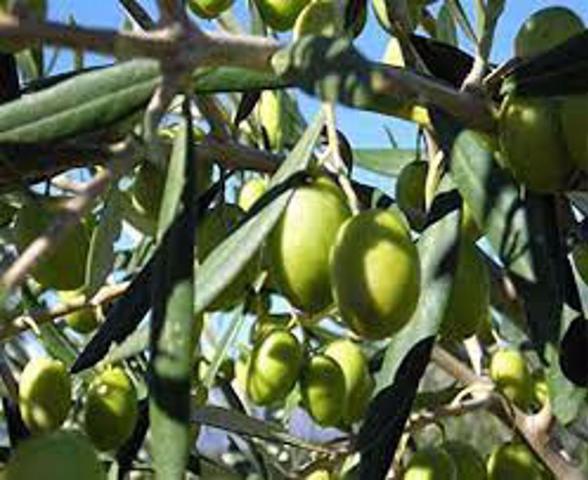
<point>209,8</point>
<point>469,300</point>
<point>279,14</point>
<point>64,268</point>
<point>111,409</point>
<point>410,193</point>
<point>546,29</point>
<point>299,245</point>
<point>61,455</point>
<point>322,385</point>
<point>516,461</point>
<point>433,463</point>
<point>263,325</point>
<point>324,18</point>
<point>319,475</point>
<point>574,114</point>
<point>468,462</point>
<point>509,371</point>
<point>358,381</point>
<point>274,367</point>
<point>274,116</point>
<point>250,192</point>
<point>44,393</point>
<point>533,148</point>
<point>82,321</point>
<point>375,273</point>
<point>580,256</point>
<point>213,228</point>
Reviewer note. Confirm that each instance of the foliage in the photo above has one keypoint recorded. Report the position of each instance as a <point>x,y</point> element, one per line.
<point>231,294</point>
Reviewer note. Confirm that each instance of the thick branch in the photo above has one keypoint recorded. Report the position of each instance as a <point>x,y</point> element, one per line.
<point>187,48</point>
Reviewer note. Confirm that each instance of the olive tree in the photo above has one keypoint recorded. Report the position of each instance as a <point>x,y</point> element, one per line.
<point>185,250</point>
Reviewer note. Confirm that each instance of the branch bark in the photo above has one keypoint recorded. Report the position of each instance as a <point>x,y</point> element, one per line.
<point>534,429</point>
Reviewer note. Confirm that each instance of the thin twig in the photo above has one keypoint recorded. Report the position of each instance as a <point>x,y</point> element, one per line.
<point>39,316</point>
<point>72,212</point>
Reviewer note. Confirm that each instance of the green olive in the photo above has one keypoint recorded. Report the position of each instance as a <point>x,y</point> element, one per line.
<point>44,393</point>
<point>280,14</point>
<point>263,325</point>
<point>298,247</point>
<point>274,367</point>
<point>531,144</point>
<point>469,300</point>
<point>375,273</point>
<point>546,29</point>
<point>574,115</point>
<point>209,8</point>
<point>61,455</point>
<point>213,228</point>
<point>250,192</point>
<point>322,385</point>
<point>410,193</point>
<point>65,267</point>
<point>275,115</point>
<point>514,461</point>
<point>358,381</point>
<point>323,17</point>
<point>111,409</point>
<point>509,371</point>
<point>433,463</point>
<point>467,460</point>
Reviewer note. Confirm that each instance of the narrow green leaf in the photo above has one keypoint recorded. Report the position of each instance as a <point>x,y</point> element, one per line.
<point>87,102</point>
<point>387,161</point>
<point>101,254</point>
<point>56,344</point>
<point>234,421</point>
<point>461,17</point>
<point>175,184</point>
<point>335,71</point>
<point>223,265</point>
<point>562,70</point>
<point>172,322</point>
<point>222,348</point>
<point>446,29</point>
<point>494,200</point>
<point>233,79</point>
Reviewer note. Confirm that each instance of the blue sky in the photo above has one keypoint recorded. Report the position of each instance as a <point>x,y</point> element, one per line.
<point>362,128</point>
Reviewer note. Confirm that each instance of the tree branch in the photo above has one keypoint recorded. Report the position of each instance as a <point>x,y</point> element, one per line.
<point>40,316</point>
<point>533,428</point>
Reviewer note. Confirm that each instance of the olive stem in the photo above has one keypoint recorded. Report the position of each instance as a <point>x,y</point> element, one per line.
<point>335,157</point>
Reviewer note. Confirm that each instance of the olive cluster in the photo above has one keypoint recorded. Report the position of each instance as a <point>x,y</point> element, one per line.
<point>110,413</point>
<point>335,384</point>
